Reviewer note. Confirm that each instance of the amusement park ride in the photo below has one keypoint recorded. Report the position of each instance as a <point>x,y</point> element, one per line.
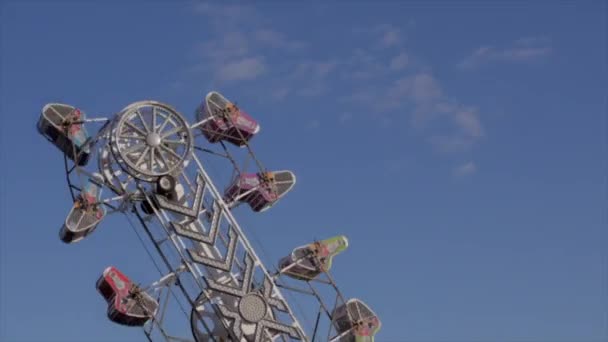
<point>149,161</point>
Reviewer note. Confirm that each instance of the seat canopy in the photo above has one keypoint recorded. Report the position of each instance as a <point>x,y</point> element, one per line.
<point>260,190</point>
<point>225,121</point>
<point>86,213</point>
<point>356,321</point>
<point>307,262</point>
<point>62,125</point>
<point>127,305</point>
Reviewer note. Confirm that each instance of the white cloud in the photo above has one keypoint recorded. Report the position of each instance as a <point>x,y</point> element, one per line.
<point>362,65</point>
<point>360,75</point>
<point>239,46</point>
<point>244,69</point>
<point>280,94</point>
<point>453,143</point>
<point>314,89</point>
<point>476,57</point>
<point>225,16</point>
<point>365,97</point>
<point>314,69</point>
<point>467,129</point>
<point>175,85</point>
<point>277,40</point>
<point>524,53</point>
<point>451,126</point>
<point>522,50</point>
<point>382,87</point>
<point>420,89</point>
<point>385,35</point>
<point>391,37</point>
<point>202,7</point>
<point>425,88</point>
<point>310,77</point>
<point>533,40</point>
<point>378,85</point>
<point>229,45</point>
<point>465,169</point>
<point>467,119</point>
<point>372,83</point>
<point>361,56</point>
<point>399,62</point>
<point>269,37</point>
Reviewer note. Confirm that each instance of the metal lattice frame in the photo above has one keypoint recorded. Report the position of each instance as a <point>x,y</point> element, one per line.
<point>208,262</point>
<point>201,245</point>
<point>216,262</point>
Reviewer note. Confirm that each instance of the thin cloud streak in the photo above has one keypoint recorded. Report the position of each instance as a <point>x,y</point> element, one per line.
<point>465,169</point>
<point>522,50</point>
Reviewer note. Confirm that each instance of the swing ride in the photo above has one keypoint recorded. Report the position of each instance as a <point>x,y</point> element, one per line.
<point>146,162</point>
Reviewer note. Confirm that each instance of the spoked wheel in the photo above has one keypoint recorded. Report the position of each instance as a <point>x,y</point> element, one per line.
<point>205,324</point>
<point>152,139</point>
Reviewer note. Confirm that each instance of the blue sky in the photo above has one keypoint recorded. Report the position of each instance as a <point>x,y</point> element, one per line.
<point>461,148</point>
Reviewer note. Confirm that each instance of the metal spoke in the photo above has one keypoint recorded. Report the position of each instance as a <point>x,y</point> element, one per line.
<point>160,129</point>
<point>174,142</point>
<point>142,120</point>
<point>136,137</point>
<point>134,148</point>
<point>141,156</point>
<point>170,151</point>
<point>166,156</point>
<point>162,158</point>
<point>151,159</point>
<point>137,129</point>
<point>172,158</point>
<point>171,132</point>
<point>154,119</point>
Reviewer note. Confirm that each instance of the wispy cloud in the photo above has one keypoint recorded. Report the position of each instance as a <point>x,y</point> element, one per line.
<point>467,131</point>
<point>362,65</point>
<point>310,76</point>
<point>396,86</point>
<point>391,37</point>
<point>465,169</point>
<point>279,94</point>
<point>277,40</point>
<point>385,35</point>
<point>226,15</point>
<point>430,105</point>
<point>450,127</point>
<point>315,69</point>
<point>239,44</point>
<point>522,50</point>
<point>399,62</point>
<point>243,48</point>
<point>423,87</point>
<point>228,58</point>
<point>381,77</point>
<point>467,119</point>
<point>244,69</point>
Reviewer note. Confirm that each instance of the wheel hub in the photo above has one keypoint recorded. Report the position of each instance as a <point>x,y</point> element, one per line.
<point>153,139</point>
<point>252,308</point>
